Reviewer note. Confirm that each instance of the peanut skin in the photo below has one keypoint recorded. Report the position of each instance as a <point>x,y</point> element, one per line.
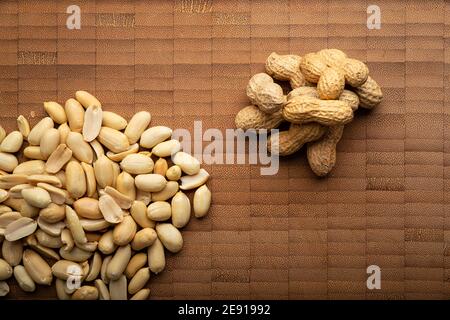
<point>322,153</point>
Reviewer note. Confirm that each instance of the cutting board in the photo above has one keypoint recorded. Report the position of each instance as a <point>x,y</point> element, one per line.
<point>291,235</point>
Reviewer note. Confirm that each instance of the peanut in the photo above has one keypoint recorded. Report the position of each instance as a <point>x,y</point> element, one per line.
<point>71,200</point>
<point>252,117</point>
<point>312,66</point>
<point>331,84</point>
<point>304,109</point>
<point>285,68</point>
<point>322,153</point>
<point>263,92</point>
<point>369,94</point>
<point>288,142</point>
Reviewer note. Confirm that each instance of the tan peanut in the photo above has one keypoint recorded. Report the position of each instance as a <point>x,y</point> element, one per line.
<point>139,213</point>
<point>154,135</point>
<point>49,142</point>
<point>113,139</point>
<point>252,117</point>
<point>351,98</point>
<point>125,185</point>
<point>355,72</point>
<point>113,120</point>
<point>331,84</point>
<point>2,133</point>
<point>35,135</point>
<point>37,268</point>
<point>24,126</point>
<point>332,57</point>
<point>285,68</point>
<point>137,125</point>
<point>141,294</point>
<point>6,270</point>
<point>125,231</point>
<point>85,293</point>
<point>288,142</point>
<point>263,92</point>
<point>304,109</point>
<point>58,159</point>
<point>202,202</point>
<point>170,237</point>
<point>80,148</point>
<point>322,153</point>
<point>93,118</point>
<point>166,148</point>
<point>8,162</point>
<point>75,115</point>
<point>150,182</point>
<point>137,164</point>
<point>139,280</point>
<point>106,243</point>
<point>87,99</point>
<point>119,262</point>
<point>369,94</point>
<point>156,257</point>
<point>55,111</point>
<point>104,172</point>
<point>53,213</point>
<point>161,167</point>
<point>75,180</point>
<point>12,142</point>
<point>191,182</point>
<point>188,164</point>
<point>168,192</point>
<point>143,239</point>
<point>173,173</point>
<point>138,261</point>
<point>312,66</point>
<point>23,279</point>
<point>12,252</point>
<point>181,209</point>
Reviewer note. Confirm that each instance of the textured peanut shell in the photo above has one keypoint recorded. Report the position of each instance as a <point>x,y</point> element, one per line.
<point>322,153</point>
<point>285,68</point>
<point>331,84</point>
<point>252,117</point>
<point>304,109</point>
<point>303,91</point>
<point>351,98</point>
<point>332,57</point>
<point>263,92</point>
<point>292,140</point>
<point>355,71</point>
<point>312,66</point>
<point>369,94</point>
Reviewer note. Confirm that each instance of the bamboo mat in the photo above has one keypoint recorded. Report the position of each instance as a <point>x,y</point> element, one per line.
<point>291,236</point>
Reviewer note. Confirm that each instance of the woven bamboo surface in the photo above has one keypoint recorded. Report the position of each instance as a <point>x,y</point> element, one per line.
<point>290,236</point>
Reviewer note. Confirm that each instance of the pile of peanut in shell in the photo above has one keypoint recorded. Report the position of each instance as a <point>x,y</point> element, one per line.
<point>327,87</point>
<point>91,202</point>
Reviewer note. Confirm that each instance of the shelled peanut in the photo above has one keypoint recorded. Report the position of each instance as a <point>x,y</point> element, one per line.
<point>93,199</point>
<point>327,87</point>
